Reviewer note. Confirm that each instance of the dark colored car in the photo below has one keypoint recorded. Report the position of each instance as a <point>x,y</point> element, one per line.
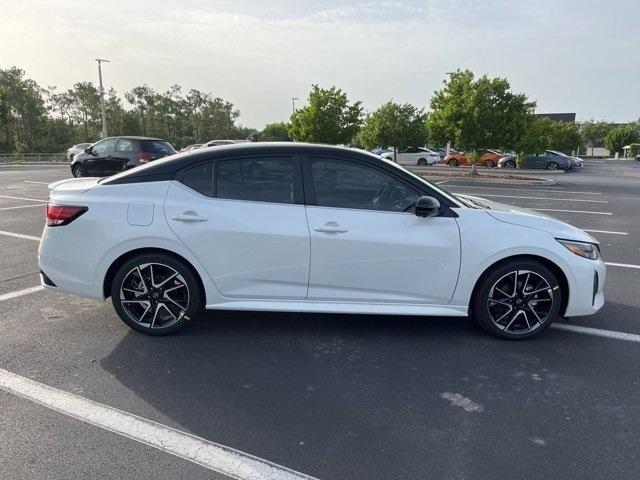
<point>115,154</point>
<point>549,160</point>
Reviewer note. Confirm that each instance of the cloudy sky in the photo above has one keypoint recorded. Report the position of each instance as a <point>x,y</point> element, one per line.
<point>570,55</point>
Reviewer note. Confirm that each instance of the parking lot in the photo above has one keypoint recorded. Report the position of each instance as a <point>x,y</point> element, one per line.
<point>331,396</point>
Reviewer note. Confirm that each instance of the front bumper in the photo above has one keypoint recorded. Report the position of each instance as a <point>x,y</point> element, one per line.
<point>586,288</point>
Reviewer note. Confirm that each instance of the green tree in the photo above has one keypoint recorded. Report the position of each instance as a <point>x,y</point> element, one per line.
<point>619,137</point>
<point>85,110</point>
<point>327,118</point>
<point>394,125</point>
<point>475,114</point>
<point>563,136</point>
<point>593,132</point>
<point>274,132</point>
<point>535,135</point>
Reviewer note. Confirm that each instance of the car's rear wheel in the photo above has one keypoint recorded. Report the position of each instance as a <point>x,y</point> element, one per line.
<point>156,294</point>
<point>510,164</point>
<point>517,299</point>
<point>489,164</point>
<point>422,162</point>
<point>552,166</point>
<point>77,170</point>
<point>453,163</point>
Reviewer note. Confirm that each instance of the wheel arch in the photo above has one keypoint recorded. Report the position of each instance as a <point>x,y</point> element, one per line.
<point>118,262</point>
<point>555,269</point>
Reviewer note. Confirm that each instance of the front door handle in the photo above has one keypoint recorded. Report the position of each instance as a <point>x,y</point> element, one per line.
<point>330,227</point>
<point>189,216</point>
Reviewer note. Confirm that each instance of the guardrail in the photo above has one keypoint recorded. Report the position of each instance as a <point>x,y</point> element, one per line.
<point>33,158</point>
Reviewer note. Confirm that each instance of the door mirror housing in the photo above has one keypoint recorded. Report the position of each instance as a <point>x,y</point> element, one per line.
<point>88,150</point>
<point>427,207</point>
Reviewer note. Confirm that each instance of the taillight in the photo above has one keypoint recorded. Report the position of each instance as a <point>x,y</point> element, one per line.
<point>58,215</point>
<point>144,157</point>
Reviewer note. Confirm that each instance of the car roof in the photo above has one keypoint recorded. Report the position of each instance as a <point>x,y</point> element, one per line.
<point>136,137</point>
<point>165,168</point>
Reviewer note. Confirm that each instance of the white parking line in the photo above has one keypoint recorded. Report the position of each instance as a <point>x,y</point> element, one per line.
<point>442,183</point>
<point>536,198</point>
<point>20,293</point>
<point>572,211</point>
<point>20,235</point>
<point>38,183</point>
<point>603,231</point>
<point>213,456</point>
<point>624,265</point>
<point>629,337</point>
<point>23,206</point>
<point>550,190</point>
<point>23,198</point>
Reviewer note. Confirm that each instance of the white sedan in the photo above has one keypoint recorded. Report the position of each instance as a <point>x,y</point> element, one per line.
<point>414,156</point>
<point>309,228</point>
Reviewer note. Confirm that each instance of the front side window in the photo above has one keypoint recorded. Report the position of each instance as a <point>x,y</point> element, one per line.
<point>256,179</point>
<point>345,184</point>
<point>104,147</point>
<point>125,145</point>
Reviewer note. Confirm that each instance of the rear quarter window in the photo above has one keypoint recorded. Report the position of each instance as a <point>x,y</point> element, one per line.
<point>157,147</point>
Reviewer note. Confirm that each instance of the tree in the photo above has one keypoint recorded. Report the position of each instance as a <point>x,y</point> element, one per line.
<point>593,132</point>
<point>274,132</point>
<point>476,114</point>
<point>395,125</point>
<point>535,135</point>
<point>327,118</point>
<point>563,136</point>
<point>617,138</point>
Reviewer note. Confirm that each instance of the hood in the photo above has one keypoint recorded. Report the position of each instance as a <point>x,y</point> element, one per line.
<point>532,219</point>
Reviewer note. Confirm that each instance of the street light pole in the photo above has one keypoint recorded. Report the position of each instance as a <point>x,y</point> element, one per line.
<point>293,104</point>
<point>104,115</point>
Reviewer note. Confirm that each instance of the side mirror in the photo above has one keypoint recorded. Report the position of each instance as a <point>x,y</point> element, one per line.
<point>88,150</point>
<point>427,207</point>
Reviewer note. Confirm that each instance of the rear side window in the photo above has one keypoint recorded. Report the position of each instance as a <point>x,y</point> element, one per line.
<point>199,178</point>
<point>157,147</point>
<point>125,145</point>
<point>256,179</point>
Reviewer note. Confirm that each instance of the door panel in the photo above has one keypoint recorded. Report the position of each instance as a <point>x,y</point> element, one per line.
<point>382,256</point>
<point>100,159</point>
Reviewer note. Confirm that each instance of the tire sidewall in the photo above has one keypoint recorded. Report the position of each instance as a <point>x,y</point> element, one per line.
<point>479,302</point>
<point>195,294</point>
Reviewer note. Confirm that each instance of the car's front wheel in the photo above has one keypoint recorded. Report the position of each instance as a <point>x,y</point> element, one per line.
<point>77,170</point>
<point>517,299</point>
<point>156,294</point>
<point>422,162</point>
<point>489,164</point>
<point>453,163</point>
<point>552,166</point>
<point>509,164</point>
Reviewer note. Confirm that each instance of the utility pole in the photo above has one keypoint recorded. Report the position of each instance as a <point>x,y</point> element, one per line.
<point>104,115</point>
<point>293,105</point>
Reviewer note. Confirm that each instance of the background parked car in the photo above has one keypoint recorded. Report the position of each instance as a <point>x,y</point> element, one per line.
<point>188,148</point>
<point>217,143</point>
<point>115,154</point>
<point>381,151</point>
<point>443,152</point>
<point>489,158</point>
<point>413,156</point>
<point>549,160</point>
<point>71,152</point>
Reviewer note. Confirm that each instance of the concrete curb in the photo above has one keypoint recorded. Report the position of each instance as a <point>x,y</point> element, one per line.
<point>505,181</point>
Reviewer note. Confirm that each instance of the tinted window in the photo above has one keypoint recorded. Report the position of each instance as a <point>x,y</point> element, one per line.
<point>157,147</point>
<point>256,179</point>
<point>104,146</point>
<point>344,184</point>
<point>125,145</point>
<point>199,178</point>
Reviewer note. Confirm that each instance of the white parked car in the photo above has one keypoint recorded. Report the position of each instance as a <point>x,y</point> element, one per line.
<point>309,228</point>
<point>79,148</point>
<point>218,143</point>
<point>414,156</point>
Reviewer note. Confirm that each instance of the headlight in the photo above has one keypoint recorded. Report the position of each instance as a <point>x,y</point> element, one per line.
<point>583,249</point>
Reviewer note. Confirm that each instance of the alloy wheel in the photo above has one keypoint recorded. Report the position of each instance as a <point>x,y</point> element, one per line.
<point>154,295</point>
<point>520,302</point>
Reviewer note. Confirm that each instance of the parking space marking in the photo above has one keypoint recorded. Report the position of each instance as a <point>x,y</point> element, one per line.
<point>536,198</point>
<point>20,235</point>
<point>602,231</point>
<point>550,190</point>
<point>23,198</point>
<point>20,293</point>
<point>572,211</point>
<point>212,456</point>
<point>23,206</point>
<point>629,337</point>
<point>442,182</point>
<point>624,265</point>
<point>37,183</point>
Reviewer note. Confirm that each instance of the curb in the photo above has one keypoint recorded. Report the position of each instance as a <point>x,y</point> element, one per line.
<point>506,181</point>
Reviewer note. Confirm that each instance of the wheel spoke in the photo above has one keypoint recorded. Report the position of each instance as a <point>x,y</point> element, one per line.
<point>502,292</point>
<point>500,302</point>
<point>170,277</point>
<point>144,284</point>
<point>504,314</point>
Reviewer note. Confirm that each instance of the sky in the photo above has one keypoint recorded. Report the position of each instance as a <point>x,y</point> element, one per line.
<point>578,56</point>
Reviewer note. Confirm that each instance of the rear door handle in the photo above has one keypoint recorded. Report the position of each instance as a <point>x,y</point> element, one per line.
<point>189,216</point>
<point>331,227</point>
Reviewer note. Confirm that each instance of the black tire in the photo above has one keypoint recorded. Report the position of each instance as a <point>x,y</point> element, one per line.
<point>422,162</point>
<point>510,164</point>
<point>454,163</point>
<point>77,170</point>
<point>489,164</point>
<point>171,312</point>
<point>501,315</point>
<point>552,166</point>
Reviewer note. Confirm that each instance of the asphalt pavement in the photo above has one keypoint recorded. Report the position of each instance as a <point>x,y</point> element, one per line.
<point>331,396</point>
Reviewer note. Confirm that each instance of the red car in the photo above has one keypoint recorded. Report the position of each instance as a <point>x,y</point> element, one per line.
<point>489,158</point>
